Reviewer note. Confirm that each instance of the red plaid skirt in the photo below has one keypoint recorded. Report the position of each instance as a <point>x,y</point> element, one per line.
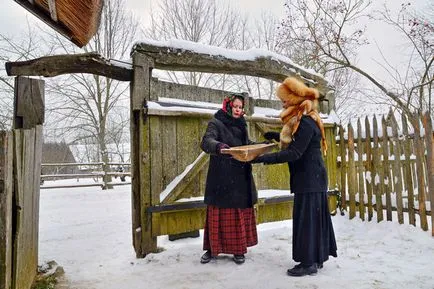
<point>229,231</point>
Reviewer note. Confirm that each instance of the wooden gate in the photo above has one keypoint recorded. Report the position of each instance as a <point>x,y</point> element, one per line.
<point>20,165</point>
<point>169,169</point>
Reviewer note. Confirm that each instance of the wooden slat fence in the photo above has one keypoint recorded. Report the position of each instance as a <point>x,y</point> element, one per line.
<point>387,166</point>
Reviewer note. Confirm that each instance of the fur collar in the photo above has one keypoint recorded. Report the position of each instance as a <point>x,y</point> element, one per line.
<point>229,120</point>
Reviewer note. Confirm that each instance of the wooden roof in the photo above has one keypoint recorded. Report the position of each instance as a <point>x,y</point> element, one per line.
<point>77,20</point>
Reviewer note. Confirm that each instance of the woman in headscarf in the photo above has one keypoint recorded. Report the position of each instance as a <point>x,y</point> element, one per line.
<point>230,190</point>
<point>301,138</point>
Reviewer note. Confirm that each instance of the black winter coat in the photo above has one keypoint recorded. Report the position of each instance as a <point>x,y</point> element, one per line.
<point>229,183</point>
<point>304,158</point>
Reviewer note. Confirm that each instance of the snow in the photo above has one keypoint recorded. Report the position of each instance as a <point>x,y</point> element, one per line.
<point>88,232</point>
<point>243,55</point>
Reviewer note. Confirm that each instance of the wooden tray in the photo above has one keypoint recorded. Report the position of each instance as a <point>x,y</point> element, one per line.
<point>248,152</point>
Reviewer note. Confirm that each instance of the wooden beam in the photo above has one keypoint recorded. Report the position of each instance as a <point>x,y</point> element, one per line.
<point>50,66</point>
<point>178,59</point>
<point>176,191</point>
<point>53,10</point>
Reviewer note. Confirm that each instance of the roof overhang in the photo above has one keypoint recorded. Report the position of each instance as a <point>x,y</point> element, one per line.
<point>77,20</point>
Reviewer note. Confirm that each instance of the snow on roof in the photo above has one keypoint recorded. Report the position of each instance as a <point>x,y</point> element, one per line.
<point>180,105</point>
<point>250,54</point>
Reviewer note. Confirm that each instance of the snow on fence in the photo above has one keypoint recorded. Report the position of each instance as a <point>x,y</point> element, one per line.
<point>387,166</point>
<point>85,171</point>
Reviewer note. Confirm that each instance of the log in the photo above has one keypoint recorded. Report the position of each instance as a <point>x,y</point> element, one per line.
<point>55,65</point>
<point>180,59</point>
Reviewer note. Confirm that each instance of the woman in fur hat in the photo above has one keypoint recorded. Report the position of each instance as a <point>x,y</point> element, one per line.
<point>230,190</point>
<point>301,138</point>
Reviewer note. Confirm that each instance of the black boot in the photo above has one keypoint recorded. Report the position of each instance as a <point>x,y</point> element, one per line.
<point>303,270</point>
<point>239,259</point>
<point>206,257</point>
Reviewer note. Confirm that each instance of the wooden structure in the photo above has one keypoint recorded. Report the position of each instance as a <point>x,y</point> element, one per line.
<point>20,167</point>
<point>389,167</point>
<point>165,143</point>
<point>77,20</point>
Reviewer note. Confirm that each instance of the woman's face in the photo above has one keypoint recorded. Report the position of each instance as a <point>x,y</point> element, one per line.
<point>237,108</point>
<point>285,104</point>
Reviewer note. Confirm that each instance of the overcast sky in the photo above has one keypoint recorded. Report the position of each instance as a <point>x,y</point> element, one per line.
<point>13,19</point>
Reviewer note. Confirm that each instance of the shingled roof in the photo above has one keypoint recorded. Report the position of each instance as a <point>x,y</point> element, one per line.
<point>77,20</point>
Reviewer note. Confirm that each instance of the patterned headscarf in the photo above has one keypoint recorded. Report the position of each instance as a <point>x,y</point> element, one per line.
<point>228,102</point>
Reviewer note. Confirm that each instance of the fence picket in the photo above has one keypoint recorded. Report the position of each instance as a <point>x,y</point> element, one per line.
<point>343,168</point>
<point>430,163</point>
<point>368,168</point>
<point>351,172</point>
<point>420,174</point>
<point>408,180</point>
<point>397,174</point>
<point>378,174</point>
<point>360,170</point>
<point>386,170</point>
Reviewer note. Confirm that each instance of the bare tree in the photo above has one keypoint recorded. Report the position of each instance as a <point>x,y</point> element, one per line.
<point>308,32</point>
<point>329,31</point>
<point>14,48</point>
<point>87,105</point>
<point>202,21</point>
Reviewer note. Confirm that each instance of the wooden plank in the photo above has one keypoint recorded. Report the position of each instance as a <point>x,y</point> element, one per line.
<point>156,159</point>
<point>361,172</point>
<point>386,170</point>
<point>377,177</point>
<point>420,149</point>
<point>351,172</point>
<point>188,147</point>
<point>170,149</point>
<point>397,174</point>
<point>189,216</point>
<point>25,268</point>
<point>197,166</point>
<point>6,184</point>
<point>36,190</point>
<point>408,181</point>
<point>430,162</point>
<point>29,103</point>
<point>369,182</point>
<point>343,169</point>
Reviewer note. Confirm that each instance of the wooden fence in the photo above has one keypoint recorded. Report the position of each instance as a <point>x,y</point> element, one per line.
<point>386,165</point>
<point>86,171</point>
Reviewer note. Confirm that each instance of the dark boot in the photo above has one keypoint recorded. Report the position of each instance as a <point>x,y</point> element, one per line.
<point>206,257</point>
<point>319,266</point>
<point>239,259</point>
<point>303,270</point>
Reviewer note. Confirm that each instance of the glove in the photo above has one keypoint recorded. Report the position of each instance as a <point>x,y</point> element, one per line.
<point>270,135</point>
<point>221,146</point>
<point>258,160</point>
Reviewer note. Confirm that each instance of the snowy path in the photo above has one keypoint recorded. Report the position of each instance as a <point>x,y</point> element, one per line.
<point>88,232</point>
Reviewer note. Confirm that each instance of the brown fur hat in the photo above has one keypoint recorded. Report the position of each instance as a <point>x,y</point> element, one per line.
<point>295,91</point>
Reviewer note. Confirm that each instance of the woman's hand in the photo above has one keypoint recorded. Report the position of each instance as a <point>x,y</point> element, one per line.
<point>221,146</point>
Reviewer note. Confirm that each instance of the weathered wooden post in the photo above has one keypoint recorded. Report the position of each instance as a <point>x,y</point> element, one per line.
<point>28,119</point>
<point>6,149</point>
<point>142,198</point>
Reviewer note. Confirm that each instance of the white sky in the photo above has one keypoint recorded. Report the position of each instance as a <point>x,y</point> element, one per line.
<point>87,231</point>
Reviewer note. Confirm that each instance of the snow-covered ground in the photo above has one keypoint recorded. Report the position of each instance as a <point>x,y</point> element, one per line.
<point>88,232</point>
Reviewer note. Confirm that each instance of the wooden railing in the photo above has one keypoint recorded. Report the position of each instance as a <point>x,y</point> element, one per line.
<point>84,171</point>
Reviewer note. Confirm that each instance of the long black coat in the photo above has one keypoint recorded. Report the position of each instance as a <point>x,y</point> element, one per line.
<point>304,158</point>
<point>229,183</point>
